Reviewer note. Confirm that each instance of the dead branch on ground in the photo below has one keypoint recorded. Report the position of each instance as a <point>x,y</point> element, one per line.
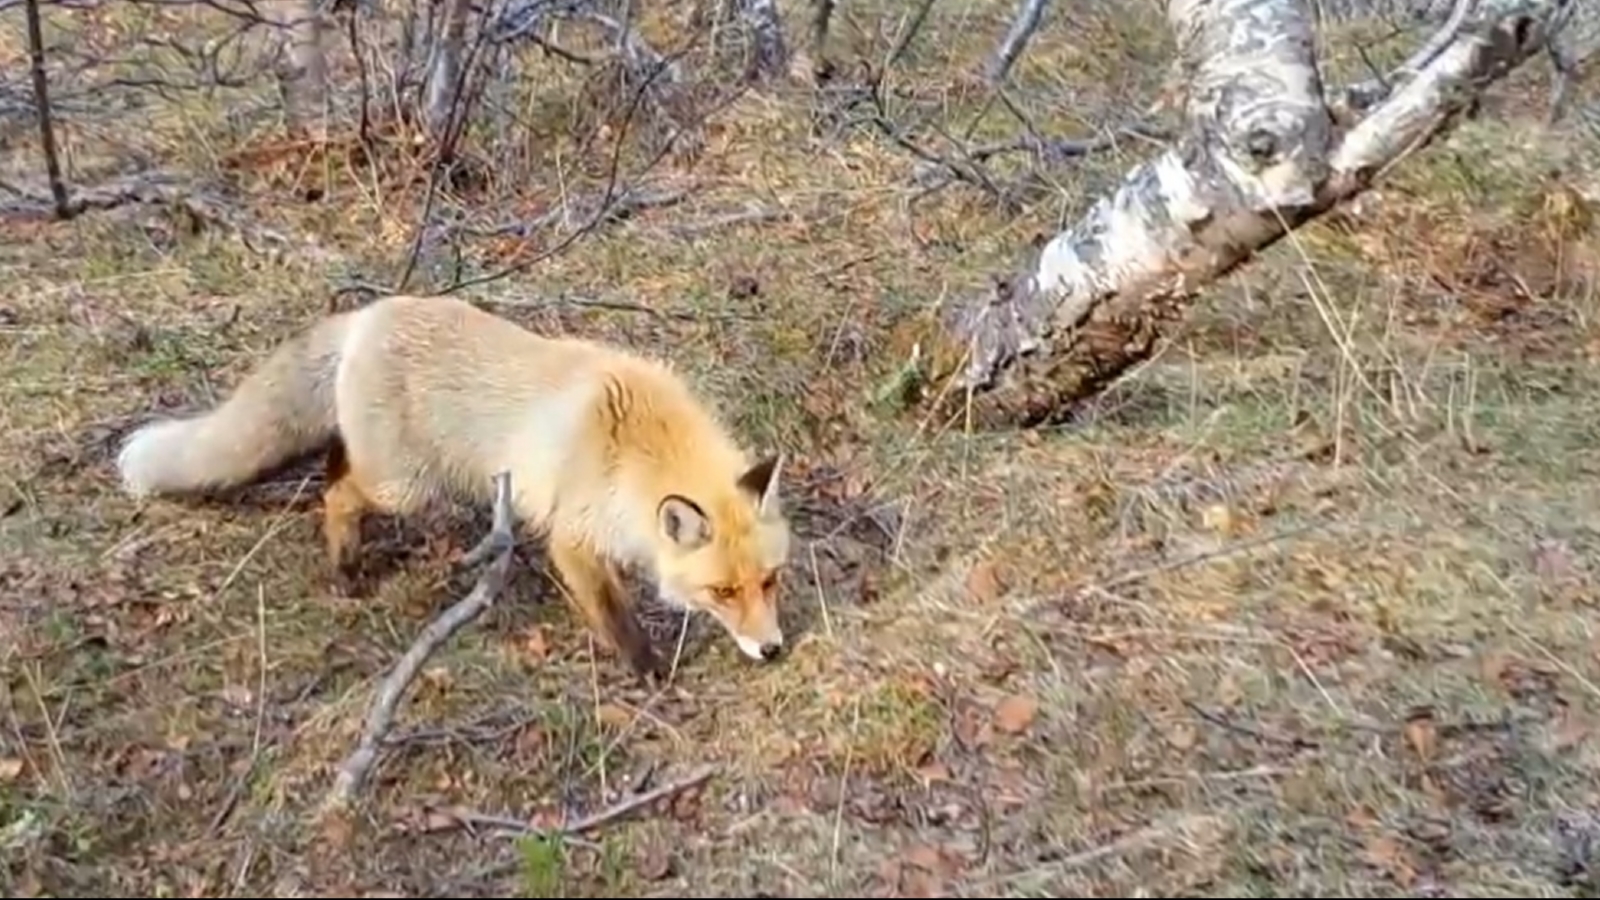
<point>585,212</point>
<point>1262,155</point>
<point>201,206</point>
<point>616,812</point>
<point>497,545</point>
<point>571,831</point>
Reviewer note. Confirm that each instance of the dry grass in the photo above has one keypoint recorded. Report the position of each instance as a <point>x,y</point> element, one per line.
<point>1304,608</point>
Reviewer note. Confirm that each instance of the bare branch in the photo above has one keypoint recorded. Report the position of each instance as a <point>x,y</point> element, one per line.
<point>616,812</point>
<point>1097,298</point>
<point>41,98</point>
<point>919,17</point>
<point>497,545</point>
<point>1029,14</point>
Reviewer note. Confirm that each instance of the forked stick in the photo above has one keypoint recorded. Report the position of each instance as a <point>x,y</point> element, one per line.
<point>498,544</point>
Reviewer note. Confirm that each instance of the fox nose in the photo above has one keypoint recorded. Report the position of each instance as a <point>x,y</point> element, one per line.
<point>770,652</point>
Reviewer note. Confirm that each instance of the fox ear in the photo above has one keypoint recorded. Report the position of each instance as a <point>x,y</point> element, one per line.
<point>761,480</point>
<point>683,522</point>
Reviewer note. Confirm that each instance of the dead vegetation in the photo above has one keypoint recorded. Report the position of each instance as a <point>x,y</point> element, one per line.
<point>1304,606</point>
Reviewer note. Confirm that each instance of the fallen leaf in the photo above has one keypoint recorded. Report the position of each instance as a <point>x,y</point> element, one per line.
<point>1183,737</point>
<point>1388,855</point>
<point>438,677</point>
<point>1360,817</point>
<point>337,829</point>
<point>1227,691</point>
<point>1219,518</point>
<point>971,727</point>
<point>614,715</point>
<point>238,695</point>
<point>10,769</point>
<point>435,819</point>
<point>1572,731</point>
<point>654,863</point>
<point>1421,736</point>
<point>923,871</point>
<point>531,740</point>
<point>1015,713</point>
<point>535,645</point>
<point>983,582</point>
<point>924,856</point>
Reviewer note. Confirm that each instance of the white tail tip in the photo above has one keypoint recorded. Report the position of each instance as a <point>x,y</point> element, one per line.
<point>150,455</point>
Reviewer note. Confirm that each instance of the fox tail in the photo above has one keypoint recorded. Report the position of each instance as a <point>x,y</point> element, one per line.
<point>281,411</point>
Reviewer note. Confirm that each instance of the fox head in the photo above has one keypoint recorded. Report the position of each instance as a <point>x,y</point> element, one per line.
<point>722,553</point>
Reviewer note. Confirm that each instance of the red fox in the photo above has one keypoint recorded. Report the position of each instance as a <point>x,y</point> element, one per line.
<point>611,457</point>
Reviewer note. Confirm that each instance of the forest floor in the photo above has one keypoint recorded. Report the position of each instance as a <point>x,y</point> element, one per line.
<point>1304,607</point>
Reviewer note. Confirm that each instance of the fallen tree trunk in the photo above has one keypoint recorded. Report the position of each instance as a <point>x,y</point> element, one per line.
<point>1262,155</point>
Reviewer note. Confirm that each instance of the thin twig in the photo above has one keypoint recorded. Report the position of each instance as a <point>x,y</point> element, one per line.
<point>380,718</point>
<point>568,832</point>
<point>41,96</point>
<point>629,805</point>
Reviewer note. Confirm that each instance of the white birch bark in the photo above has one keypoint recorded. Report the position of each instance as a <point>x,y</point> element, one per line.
<point>1026,22</point>
<point>444,72</point>
<point>302,65</point>
<point>1260,155</point>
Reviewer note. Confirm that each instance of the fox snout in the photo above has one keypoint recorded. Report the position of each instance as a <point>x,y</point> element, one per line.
<point>765,651</point>
<point>763,645</point>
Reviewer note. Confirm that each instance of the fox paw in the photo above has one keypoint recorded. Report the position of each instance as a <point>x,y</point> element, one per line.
<point>348,582</point>
<point>648,666</point>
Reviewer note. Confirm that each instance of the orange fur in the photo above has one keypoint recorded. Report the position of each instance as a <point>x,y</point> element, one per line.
<point>611,456</point>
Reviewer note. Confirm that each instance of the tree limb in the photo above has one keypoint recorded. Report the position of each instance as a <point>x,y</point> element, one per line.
<point>380,717</point>
<point>1029,14</point>
<point>1255,163</point>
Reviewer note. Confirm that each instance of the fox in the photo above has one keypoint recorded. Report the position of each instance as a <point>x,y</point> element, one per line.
<point>613,458</point>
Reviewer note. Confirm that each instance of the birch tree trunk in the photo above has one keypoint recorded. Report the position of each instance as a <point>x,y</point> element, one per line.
<point>444,74</point>
<point>1261,155</point>
<point>771,56</point>
<point>302,66</point>
<point>1029,14</point>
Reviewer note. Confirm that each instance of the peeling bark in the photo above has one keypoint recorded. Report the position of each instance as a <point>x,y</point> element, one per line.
<point>1260,156</point>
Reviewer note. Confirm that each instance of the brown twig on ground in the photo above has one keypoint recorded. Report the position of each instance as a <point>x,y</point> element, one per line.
<point>570,831</point>
<point>613,813</point>
<point>380,717</point>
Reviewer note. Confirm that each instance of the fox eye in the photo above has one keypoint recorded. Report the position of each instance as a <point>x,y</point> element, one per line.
<point>769,582</point>
<point>724,593</point>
